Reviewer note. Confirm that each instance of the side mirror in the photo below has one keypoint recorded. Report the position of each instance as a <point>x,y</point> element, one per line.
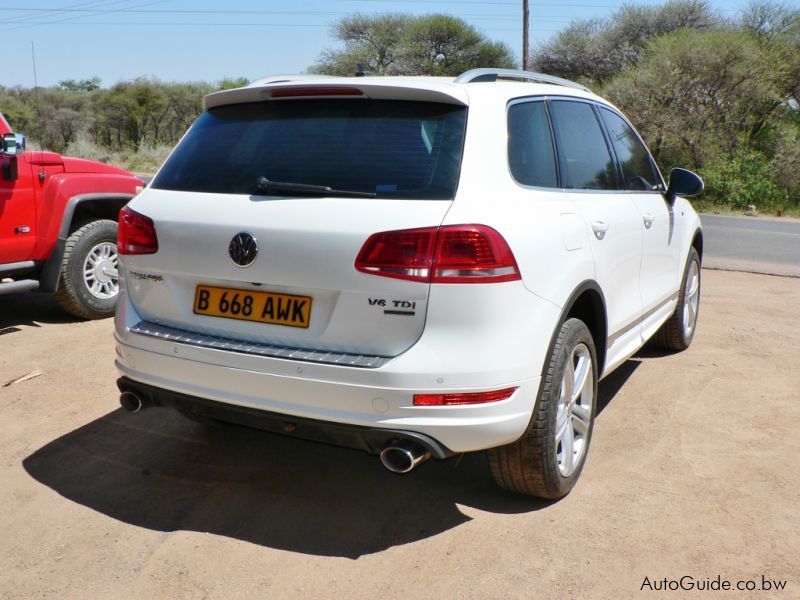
<point>13,144</point>
<point>683,182</point>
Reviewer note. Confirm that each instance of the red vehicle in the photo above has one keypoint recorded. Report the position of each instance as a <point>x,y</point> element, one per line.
<point>58,225</point>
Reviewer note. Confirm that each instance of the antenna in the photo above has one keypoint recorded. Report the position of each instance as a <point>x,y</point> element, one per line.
<point>36,94</point>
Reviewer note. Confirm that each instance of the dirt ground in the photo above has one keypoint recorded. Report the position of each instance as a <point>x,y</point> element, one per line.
<point>693,471</point>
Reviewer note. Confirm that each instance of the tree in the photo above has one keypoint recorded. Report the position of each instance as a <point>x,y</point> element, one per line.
<point>576,52</point>
<point>767,19</point>
<point>598,49</point>
<point>395,44</point>
<point>82,86</point>
<point>696,95</point>
<point>18,109</point>
<point>371,41</point>
<point>230,83</point>
<point>447,45</point>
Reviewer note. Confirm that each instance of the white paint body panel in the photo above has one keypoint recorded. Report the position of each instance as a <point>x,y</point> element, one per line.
<point>307,246</point>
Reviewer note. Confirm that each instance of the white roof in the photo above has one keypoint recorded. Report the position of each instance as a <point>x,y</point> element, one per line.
<point>508,84</point>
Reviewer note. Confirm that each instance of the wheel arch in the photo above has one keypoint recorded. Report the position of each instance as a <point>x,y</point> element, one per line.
<point>697,243</point>
<point>78,210</point>
<point>588,304</point>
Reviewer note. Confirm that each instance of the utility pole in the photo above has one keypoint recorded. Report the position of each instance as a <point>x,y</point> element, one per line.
<point>525,21</point>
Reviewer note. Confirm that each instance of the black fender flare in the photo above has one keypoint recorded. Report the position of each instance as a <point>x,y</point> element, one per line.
<point>580,289</point>
<point>697,235</point>
<point>48,279</point>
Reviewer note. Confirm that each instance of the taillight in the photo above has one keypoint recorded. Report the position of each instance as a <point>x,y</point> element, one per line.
<point>404,254</point>
<point>472,254</point>
<point>136,233</point>
<point>462,398</point>
<point>448,254</point>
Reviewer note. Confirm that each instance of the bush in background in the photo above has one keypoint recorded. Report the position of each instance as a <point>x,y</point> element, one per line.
<point>743,178</point>
<point>144,161</point>
<point>132,124</point>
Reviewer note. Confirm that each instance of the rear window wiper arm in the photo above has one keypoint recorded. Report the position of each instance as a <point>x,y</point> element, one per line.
<point>266,186</point>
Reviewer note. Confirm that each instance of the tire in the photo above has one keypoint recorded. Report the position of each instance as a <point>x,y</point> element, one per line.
<point>88,285</point>
<point>678,331</point>
<point>540,463</point>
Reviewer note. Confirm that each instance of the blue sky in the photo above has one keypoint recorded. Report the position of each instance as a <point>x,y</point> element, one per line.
<point>187,40</point>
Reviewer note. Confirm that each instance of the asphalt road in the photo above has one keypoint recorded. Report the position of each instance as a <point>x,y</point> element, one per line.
<point>751,244</point>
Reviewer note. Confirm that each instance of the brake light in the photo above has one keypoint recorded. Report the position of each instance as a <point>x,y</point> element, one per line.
<point>136,233</point>
<point>305,92</point>
<point>448,254</point>
<point>463,398</point>
<point>404,254</point>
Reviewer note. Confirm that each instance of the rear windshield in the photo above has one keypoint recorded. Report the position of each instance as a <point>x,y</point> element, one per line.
<point>390,148</point>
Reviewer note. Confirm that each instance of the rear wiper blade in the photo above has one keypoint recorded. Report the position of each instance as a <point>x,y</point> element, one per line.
<point>266,186</point>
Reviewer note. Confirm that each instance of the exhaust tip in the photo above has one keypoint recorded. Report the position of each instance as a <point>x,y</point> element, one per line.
<point>130,402</point>
<point>403,457</point>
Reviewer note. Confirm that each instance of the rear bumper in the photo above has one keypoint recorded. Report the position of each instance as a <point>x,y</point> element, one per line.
<point>369,439</point>
<point>493,352</point>
<point>322,393</point>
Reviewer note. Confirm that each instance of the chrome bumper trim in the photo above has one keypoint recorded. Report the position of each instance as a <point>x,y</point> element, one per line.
<point>219,343</point>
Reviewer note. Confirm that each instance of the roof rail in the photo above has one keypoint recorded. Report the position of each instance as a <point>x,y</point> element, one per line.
<point>478,75</point>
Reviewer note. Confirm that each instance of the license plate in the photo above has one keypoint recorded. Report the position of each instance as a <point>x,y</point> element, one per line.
<point>250,305</point>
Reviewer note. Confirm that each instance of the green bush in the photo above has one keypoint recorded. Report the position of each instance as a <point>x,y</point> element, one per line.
<point>145,161</point>
<point>743,178</point>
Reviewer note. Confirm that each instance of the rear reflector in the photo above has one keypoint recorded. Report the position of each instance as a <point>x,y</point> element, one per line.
<point>136,233</point>
<point>462,398</point>
<point>306,92</point>
<point>448,254</point>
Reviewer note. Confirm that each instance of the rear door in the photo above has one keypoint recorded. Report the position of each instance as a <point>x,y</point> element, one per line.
<point>400,158</point>
<point>642,183</point>
<point>587,170</point>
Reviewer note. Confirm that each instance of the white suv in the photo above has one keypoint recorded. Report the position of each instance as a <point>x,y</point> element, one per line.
<point>417,267</point>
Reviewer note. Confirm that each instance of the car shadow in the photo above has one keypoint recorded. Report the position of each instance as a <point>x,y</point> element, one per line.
<point>30,309</point>
<point>159,471</point>
<point>611,385</point>
<point>653,350</point>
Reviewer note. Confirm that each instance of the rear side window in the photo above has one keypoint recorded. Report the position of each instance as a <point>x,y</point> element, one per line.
<point>391,148</point>
<point>530,145</point>
<point>585,160</point>
<point>633,157</point>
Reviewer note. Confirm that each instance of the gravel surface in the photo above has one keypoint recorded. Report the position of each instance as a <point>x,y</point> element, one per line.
<point>693,471</point>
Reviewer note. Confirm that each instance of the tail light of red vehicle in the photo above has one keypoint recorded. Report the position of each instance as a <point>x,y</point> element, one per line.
<point>447,254</point>
<point>136,233</point>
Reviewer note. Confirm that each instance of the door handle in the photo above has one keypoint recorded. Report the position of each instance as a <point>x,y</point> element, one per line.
<point>600,228</point>
<point>648,219</point>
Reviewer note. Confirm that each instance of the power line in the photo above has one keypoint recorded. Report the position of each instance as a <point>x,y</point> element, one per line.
<point>26,18</point>
<point>515,4</point>
<point>249,24</point>
<point>28,23</point>
<point>93,12</point>
<point>295,25</point>
<point>237,11</point>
